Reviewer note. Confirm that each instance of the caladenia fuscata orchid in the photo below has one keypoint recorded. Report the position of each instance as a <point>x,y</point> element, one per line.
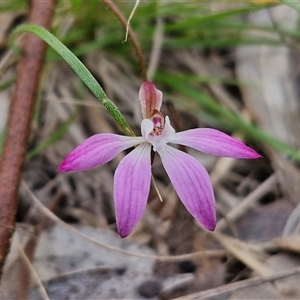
<point>132,178</point>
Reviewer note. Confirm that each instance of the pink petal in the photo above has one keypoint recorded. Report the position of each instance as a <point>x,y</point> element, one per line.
<point>97,150</point>
<point>214,142</point>
<point>150,99</point>
<point>192,184</point>
<point>131,188</point>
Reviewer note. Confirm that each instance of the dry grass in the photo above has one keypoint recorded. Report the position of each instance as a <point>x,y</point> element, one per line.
<point>254,252</point>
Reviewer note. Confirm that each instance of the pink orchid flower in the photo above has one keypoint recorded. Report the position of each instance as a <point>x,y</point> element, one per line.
<point>132,178</point>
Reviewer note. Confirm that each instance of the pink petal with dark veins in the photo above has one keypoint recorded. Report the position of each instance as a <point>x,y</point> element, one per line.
<point>131,188</point>
<point>213,142</point>
<point>192,184</point>
<point>150,99</point>
<point>97,150</point>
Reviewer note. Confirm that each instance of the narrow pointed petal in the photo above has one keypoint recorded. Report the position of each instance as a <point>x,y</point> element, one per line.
<point>97,150</point>
<point>131,188</point>
<point>192,184</point>
<point>214,142</point>
<point>150,98</point>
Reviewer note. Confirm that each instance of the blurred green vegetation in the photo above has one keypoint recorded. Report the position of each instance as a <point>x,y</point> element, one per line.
<point>192,25</point>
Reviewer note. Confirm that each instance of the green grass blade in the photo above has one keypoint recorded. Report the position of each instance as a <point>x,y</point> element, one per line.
<point>6,84</point>
<point>55,136</point>
<point>2,137</point>
<point>79,69</point>
<point>229,118</point>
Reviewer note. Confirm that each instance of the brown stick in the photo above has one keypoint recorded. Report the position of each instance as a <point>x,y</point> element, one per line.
<point>20,115</point>
<point>134,41</point>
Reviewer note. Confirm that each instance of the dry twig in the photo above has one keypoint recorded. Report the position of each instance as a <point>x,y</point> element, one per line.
<point>134,41</point>
<point>18,128</point>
